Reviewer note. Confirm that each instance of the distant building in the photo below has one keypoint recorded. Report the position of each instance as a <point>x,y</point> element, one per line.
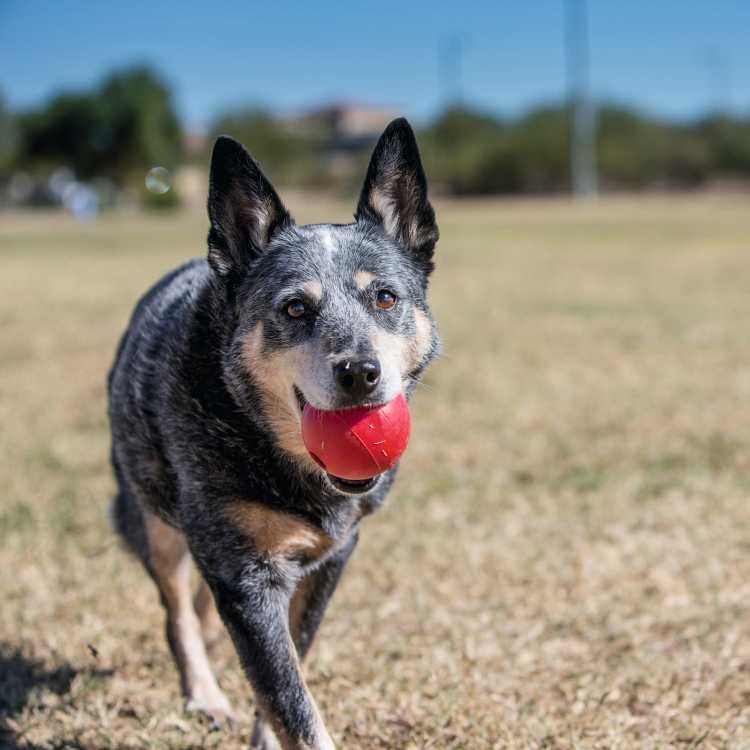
<point>343,126</point>
<point>194,142</point>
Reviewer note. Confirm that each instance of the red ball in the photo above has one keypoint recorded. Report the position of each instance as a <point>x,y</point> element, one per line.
<point>357,443</point>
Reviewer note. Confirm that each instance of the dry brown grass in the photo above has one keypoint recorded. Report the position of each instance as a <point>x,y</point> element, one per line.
<point>565,562</point>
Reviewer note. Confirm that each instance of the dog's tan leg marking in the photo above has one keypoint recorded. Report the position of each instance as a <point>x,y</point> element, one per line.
<point>170,564</point>
<point>276,534</point>
<point>212,627</point>
<point>363,279</point>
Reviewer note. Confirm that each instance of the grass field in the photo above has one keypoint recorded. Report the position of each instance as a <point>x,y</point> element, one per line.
<point>565,562</point>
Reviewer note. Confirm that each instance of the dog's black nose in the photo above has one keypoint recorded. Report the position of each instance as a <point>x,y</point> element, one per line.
<point>357,378</point>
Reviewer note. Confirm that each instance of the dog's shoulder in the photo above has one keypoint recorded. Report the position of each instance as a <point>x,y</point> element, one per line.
<point>162,309</point>
<point>180,287</point>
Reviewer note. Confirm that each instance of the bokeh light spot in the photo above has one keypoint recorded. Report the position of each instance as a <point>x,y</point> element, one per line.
<point>158,180</point>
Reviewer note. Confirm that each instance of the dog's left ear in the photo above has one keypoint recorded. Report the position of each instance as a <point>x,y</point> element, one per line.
<point>243,207</point>
<point>395,192</point>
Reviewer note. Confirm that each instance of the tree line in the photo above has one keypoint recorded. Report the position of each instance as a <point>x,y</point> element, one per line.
<point>128,123</point>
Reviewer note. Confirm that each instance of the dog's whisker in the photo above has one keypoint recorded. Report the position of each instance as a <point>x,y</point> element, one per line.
<point>418,382</point>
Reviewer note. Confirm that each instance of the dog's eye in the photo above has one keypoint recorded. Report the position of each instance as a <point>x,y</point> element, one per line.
<point>296,308</point>
<point>386,299</point>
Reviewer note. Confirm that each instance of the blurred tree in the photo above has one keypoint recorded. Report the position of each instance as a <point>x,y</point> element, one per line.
<point>729,142</point>
<point>142,129</point>
<point>539,143</point>
<point>283,154</point>
<point>636,151</point>
<point>67,131</point>
<point>9,138</point>
<point>470,152</point>
<point>466,151</point>
<point>457,123</point>
<point>627,146</point>
<point>125,126</point>
<point>128,124</point>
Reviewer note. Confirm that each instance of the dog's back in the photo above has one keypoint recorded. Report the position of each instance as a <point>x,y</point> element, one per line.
<point>137,384</point>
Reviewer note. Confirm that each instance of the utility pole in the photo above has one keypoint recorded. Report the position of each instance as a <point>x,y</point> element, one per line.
<point>582,111</point>
<point>451,53</point>
<point>718,81</point>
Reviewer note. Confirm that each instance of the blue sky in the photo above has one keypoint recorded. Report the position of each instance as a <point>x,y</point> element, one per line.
<point>673,57</point>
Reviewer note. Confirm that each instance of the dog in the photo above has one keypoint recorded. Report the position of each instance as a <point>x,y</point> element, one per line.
<point>205,401</point>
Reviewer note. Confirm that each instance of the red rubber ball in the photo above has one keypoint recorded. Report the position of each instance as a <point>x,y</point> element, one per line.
<point>357,443</point>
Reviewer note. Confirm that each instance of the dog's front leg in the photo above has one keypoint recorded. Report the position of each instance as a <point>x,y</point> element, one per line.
<point>312,595</point>
<point>256,613</point>
<point>254,604</point>
<point>306,610</point>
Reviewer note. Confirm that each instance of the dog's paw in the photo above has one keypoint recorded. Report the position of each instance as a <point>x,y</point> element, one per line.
<point>263,737</point>
<point>215,709</point>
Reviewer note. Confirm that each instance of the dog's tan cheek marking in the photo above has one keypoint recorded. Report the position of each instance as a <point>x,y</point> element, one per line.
<point>276,534</point>
<point>422,338</point>
<point>363,279</point>
<point>252,346</point>
<point>314,289</point>
<point>275,375</point>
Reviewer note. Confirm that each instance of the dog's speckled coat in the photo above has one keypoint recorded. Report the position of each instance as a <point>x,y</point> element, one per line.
<point>205,400</point>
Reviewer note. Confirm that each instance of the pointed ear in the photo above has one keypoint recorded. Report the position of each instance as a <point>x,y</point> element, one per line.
<point>243,207</point>
<point>395,192</point>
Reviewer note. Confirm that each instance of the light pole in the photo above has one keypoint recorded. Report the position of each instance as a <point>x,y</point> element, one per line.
<point>451,52</point>
<point>582,111</point>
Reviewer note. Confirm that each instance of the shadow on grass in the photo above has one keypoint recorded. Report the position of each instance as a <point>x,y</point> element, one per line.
<point>21,677</point>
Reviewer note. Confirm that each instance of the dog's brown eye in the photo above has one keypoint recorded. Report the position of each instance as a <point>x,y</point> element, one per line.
<point>296,308</point>
<point>386,299</point>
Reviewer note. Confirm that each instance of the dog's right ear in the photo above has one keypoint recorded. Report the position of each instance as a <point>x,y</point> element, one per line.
<point>243,207</point>
<point>395,193</point>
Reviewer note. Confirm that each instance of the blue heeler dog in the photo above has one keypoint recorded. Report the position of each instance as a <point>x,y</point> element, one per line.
<point>205,401</point>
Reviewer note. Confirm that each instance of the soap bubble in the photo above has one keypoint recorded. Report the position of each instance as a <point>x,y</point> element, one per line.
<point>158,180</point>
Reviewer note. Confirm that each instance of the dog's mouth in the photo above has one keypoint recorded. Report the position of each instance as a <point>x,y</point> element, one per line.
<point>352,486</point>
<point>348,486</point>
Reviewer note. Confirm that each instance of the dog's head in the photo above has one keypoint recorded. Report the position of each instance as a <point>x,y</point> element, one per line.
<point>333,314</point>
